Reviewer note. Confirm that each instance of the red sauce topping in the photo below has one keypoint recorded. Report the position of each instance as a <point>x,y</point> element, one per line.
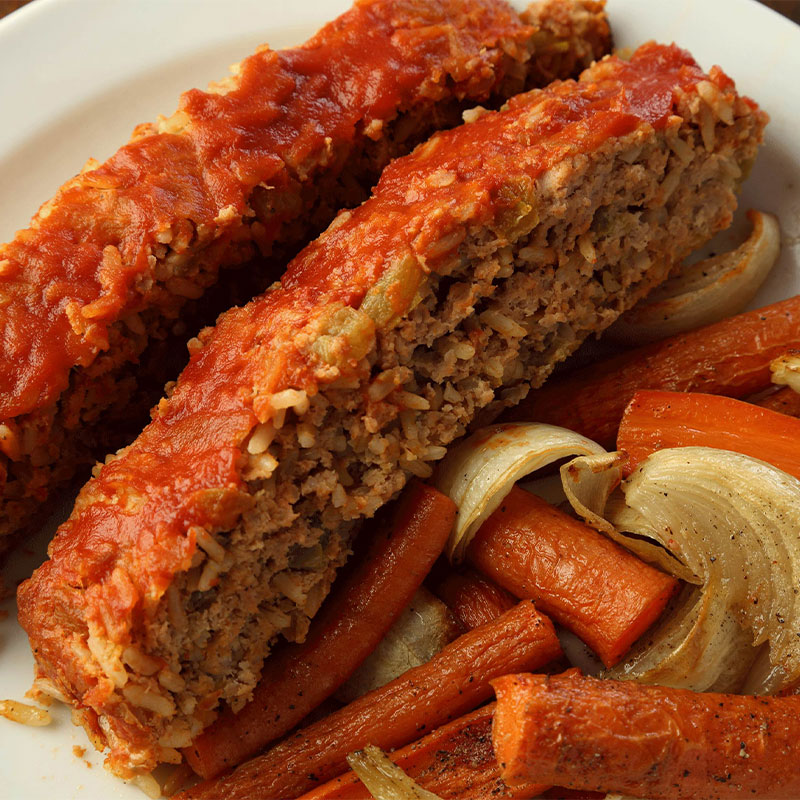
<point>190,450</point>
<point>57,298</point>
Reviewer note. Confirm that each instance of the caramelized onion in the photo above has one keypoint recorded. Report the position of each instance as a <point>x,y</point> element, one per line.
<point>786,370</point>
<point>384,779</point>
<point>728,524</point>
<point>422,630</point>
<point>480,472</point>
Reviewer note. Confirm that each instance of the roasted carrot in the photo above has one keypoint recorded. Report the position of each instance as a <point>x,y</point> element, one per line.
<point>784,401</point>
<point>647,741</point>
<point>730,357</point>
<point>453,682</point>
<point>586,582</point>
<point>472,597</point>
<point>658,420</point>
<point>455,761</point>
<point>347,629</point>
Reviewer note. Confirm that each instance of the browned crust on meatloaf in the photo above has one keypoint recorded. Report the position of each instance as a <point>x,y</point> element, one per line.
<point>256,166</point>
<point>481,260</point>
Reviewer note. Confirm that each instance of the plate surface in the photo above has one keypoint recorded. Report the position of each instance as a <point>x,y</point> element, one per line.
<point>80,74</point>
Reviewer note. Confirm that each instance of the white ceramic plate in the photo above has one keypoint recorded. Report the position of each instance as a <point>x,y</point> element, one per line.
<point>77,75</point>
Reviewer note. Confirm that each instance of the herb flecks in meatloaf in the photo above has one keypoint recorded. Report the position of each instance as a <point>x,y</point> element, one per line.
<point>256,166</point>
<point>482,259</point>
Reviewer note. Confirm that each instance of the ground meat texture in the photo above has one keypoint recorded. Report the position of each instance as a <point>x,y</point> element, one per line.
<point>481,260</point>
<point>97,293</point>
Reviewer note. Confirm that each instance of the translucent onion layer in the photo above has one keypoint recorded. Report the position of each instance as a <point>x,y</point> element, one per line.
<point>730,525</point>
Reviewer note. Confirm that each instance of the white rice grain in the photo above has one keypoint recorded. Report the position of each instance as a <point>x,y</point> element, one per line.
<point>142,697</point>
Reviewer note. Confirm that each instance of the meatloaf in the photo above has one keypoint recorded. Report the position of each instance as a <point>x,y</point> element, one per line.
<point>253,167</point>
<point>482,259</point>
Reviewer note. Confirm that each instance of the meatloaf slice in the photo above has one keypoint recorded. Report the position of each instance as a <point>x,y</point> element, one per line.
<point>481,260</point>
<point>257,165</point>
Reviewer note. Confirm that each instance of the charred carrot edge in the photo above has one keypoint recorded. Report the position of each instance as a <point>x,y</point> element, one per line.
<point>729,357</point>
<point>561,793</point>
<point>646,741</point>
<point>453,682</point>
<point>456,760</point>
<point>586,582</point>
<point>658,420</point>
<point>473,598</point>
<point>298,678</point>
<point>784,401</point>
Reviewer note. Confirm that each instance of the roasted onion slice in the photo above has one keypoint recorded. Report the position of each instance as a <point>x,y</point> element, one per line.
<point>786,370</point>
<point>480,472</point>
<point>728,523</point>
<point>384,779</point>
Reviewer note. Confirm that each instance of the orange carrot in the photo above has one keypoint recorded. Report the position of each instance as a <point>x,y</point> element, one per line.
<point>647,741</point>
<point>658,420</point>
<point>784,401</point>
<point>730,357</point>
<point>586,582</point>
<point>472,597</point>
<point>296,679</point>
<point>453,682</point>
<point>455,761</point>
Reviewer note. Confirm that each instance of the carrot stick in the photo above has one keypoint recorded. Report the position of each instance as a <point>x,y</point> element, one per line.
<point>730,357</point>
<point>647,741</point>
<point>784,401</point>
<point>658,420</point>
<point>586,582</point>
<point>454,681</point>
<point>296,679</point>
<point>472,597</point>
<point>455,761</point>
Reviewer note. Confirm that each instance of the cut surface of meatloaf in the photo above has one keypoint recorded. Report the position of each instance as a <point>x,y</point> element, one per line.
<point>481,260</point>
<point>254,167</point>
